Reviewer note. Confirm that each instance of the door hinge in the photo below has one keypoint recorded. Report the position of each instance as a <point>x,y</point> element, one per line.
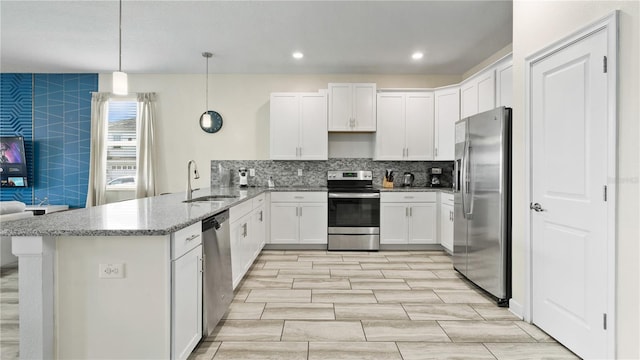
<point>604,321</point>
<point>604,63</point>
<point>605,193</point>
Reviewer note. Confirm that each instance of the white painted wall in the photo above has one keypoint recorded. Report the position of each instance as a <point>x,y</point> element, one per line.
<point>243,101</point>
<point>535,25</point>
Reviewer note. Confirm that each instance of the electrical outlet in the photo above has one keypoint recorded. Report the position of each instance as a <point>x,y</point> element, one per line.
<point>299,172</point>
<point>252,172</point>
<point>111,271</point>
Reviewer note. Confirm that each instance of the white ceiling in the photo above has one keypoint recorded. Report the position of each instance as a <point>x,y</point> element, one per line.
<point>252,36</point>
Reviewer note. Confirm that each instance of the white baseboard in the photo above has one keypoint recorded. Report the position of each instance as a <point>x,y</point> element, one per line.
<point>516,308</point>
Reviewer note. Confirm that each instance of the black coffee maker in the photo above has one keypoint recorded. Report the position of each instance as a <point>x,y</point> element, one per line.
<point>434,177</point>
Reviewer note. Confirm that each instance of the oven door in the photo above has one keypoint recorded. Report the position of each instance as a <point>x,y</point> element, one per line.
<point>354,213</point>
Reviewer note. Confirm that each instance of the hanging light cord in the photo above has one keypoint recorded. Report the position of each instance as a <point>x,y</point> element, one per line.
<point>120,38</point>
<point>206,100</point>
<point>207,55</point>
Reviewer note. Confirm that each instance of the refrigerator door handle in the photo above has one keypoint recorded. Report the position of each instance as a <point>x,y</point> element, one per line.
<point>464,180</point>
<point>470,182</point>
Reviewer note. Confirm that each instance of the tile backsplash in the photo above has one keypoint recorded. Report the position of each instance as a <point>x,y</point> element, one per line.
<point>314,173</point>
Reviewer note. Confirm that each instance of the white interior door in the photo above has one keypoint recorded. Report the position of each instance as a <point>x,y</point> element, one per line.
<point>569,172</point>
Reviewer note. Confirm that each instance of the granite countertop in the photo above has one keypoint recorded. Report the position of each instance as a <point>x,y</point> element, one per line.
<point>159,215</point>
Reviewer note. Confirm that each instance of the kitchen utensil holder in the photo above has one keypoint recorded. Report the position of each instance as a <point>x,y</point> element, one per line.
<point>387,184</point>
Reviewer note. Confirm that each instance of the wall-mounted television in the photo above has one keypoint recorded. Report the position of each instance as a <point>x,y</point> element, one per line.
<point>13,162</point>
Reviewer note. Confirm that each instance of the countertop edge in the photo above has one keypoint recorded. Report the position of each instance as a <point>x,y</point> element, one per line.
<point>27,231</point>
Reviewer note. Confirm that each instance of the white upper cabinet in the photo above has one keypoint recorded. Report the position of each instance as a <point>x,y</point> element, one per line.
<point>352,107</point>
<point>298,126</point>
<point>478,94</point>
<point>504,83</point>
<point>447,112</point>
<point>405,126</point>
<point>488,89</point>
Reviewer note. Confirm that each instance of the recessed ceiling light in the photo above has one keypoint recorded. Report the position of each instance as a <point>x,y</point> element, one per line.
<point>417,55</point>
<point>298,55</point>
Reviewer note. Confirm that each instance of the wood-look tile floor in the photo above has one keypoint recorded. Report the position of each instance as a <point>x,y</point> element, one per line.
<point>313,305</point>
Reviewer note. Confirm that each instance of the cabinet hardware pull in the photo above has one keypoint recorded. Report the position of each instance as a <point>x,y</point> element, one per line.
<point>298,197</point>
<point>407,152</point>
<point>244,234</point>
<point>260,215</point>
<point>300,210</point>
<point>410,211</point>
<point>406,212</point>
<point>436,151</point>
<point>192,237</point>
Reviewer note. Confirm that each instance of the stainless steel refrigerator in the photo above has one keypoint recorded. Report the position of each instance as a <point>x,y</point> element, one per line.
<point>482,201</point>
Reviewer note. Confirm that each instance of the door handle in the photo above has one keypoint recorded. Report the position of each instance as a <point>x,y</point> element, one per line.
<point>537,207</point>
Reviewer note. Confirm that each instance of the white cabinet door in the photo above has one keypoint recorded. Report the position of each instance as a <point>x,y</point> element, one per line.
<point>284,223</point>
<point>390,141</point>
<point>313,223</point>
<point>422,223</point>
<point>313,127</point>
<point>393,223</point>
<point>447,112</point>
<point>259,227</point>
<point>469,99</point>
<point>239,248</point>
<point>446,227</point>
<point>419,126</point>
<point>352,107</point>
<point>364,107</point>
<point>186,303</point>
<point>504,84</point>
<point>284,126</point>
<point>340,107</point>
<point>486,91</point>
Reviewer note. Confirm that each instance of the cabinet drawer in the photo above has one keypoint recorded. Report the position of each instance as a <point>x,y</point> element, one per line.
<point>446,198</point>
<point>408,196</point>
<point>259,200</point>
<point>299,196</point>
<point>240,210</point>
<point>185,239</point>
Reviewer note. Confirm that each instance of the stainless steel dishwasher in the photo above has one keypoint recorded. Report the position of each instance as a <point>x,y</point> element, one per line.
<point>217,284</point>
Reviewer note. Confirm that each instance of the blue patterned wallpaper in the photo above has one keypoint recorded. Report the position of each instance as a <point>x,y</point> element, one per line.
<point>15,119</point>
<point>58,109</point>
<point>62,136</point>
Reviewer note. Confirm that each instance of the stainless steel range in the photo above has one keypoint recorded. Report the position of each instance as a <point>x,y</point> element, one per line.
<point>354,211</point>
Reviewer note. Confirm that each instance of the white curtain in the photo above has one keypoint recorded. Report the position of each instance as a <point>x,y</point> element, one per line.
<point>98,154</point>
<point>146,166</point>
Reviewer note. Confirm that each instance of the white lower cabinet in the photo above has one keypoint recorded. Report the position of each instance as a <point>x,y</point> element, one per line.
<point>408,218</point>
<point>446,221</point>
<point>248,230</point>
<point>186,291</point>
<point>298,218</point>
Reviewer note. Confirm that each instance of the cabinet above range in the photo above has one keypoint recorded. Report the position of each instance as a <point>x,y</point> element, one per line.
<point>352,107</point>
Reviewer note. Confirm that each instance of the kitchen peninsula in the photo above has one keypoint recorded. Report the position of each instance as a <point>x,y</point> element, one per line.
<point>67,310</point>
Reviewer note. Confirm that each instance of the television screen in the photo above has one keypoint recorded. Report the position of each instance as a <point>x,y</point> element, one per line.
<point>13,162</point>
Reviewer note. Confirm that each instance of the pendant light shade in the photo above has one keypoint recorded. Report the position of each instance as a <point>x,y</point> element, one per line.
<point>120,84</point>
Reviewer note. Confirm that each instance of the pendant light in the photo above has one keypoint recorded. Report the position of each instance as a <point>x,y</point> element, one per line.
<point>205,119</point>
<point>120,84</point>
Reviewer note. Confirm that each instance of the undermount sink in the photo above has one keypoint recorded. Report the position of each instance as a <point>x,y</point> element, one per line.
<point>212,198</point>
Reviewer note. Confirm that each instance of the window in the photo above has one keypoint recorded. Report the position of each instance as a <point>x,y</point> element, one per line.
<point>121,144</point>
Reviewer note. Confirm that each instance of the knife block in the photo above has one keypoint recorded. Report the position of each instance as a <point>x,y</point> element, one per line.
<point>387,184</point>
